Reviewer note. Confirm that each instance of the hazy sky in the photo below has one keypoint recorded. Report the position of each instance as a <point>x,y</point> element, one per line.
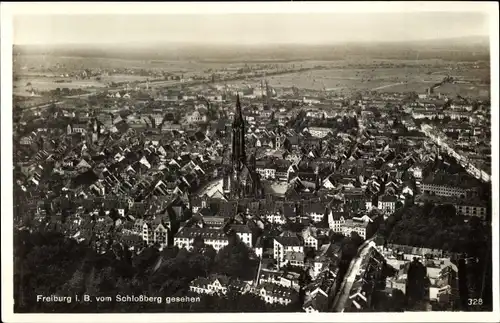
<point>247,28</point>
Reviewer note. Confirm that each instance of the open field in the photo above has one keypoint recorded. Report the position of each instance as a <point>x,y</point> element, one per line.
<point>75,63</point>
<point>379,79</point>
<point>419,87</point>
<point>346,78</point>
<point>21,86</point>
<point>45,83</point>
<point>124,78</point>
<point>480,90</point>
<point>162,64</point>
<point>68,64</point>
<point>354,74</point>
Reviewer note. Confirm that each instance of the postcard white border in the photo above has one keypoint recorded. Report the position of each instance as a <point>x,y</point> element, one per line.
<point>8,10</point>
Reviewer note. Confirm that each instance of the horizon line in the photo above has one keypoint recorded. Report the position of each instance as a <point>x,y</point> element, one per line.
<point>222,43</point>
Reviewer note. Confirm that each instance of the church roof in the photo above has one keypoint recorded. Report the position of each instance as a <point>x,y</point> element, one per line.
<point>245,173</point>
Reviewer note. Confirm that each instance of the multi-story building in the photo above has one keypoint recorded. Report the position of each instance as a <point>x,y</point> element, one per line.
<point>201,285</point>
<point>244,233</point>
<point>314,211</point>
<point>423,113</point>
<point>274,294</point>
<point>196,117</point>
<point>417,172</point>
<point>360,295</point>
<point>160,235</point>
<point>443,190</point>
<point>319,132</point>
<point>276,217</point>
<point>151,233</point>
<point>288,279</point>
<point>443,184</point>
<point>294,258</point>
<point>266,169</point>
<point>336,220</point>
<point>76,128</point>
<point>387,203</point>
<point>213,237</point>
<point>469,208</point>
<point>360,227</point>
<point>341,222</point>
<point>464,207</point>
<point>317,295</point>
<point>311,241</point>
<point>147,233</point>
<point>281,173</point>
<point>217,285</point>
<point>286,243</point>
<point>158,119</point>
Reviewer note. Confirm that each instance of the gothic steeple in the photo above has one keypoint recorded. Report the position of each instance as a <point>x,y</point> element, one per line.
<point>238,138</point>
<point>241,180</point>
<point>238,115</point>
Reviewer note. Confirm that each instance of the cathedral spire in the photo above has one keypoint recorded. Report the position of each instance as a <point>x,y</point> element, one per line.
<point>238,115</point>
<point>242,179</point>
<point>238,145</point>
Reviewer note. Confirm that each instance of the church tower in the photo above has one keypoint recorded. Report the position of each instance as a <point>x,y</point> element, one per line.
<point>96,130</point>
<point>240,179</point>
<point>238,157</point>
<point>269,94</point>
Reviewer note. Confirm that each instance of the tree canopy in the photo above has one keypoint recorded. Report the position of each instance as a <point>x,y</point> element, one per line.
<point>234,260</point>
<point>48,263</point>
<point>437,227</point>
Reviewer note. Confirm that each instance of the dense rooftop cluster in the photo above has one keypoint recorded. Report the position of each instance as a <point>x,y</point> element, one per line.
<point>286,175</point>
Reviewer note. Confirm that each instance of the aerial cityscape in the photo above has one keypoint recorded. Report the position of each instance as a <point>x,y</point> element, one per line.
<point>185,176</point>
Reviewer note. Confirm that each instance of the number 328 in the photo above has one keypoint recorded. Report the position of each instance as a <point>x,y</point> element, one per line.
<point>475,301</point>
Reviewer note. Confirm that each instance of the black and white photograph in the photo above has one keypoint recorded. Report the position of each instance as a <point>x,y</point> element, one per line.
<point>283,160</point>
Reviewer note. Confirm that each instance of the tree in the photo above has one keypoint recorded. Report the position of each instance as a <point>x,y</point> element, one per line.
<point>52,109</point>
<point>446,212</point>
<point>210,252</point>
<point>76,284</point>
<point>113,214</point>
<point>145,259</point>
<point>198,244</point>
<point>233,260</point>
<point>428,207</point>
<point>169,252</point>
<point>356,239</point>
<point>236,302</point>
<point>357,96</point>
<point>375,112</point>
<point>411,96</point>
<point>43,262</point>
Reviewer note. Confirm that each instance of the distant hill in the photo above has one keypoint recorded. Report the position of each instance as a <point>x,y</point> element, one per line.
<point>481,42</point>
<point>465,48</point>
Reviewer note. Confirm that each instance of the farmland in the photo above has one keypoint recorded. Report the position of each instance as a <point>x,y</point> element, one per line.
<point>408,79</point>
<point>24,85</point>
<point>354,73</point>
<point>75,63</point>
<point>68,64</point>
